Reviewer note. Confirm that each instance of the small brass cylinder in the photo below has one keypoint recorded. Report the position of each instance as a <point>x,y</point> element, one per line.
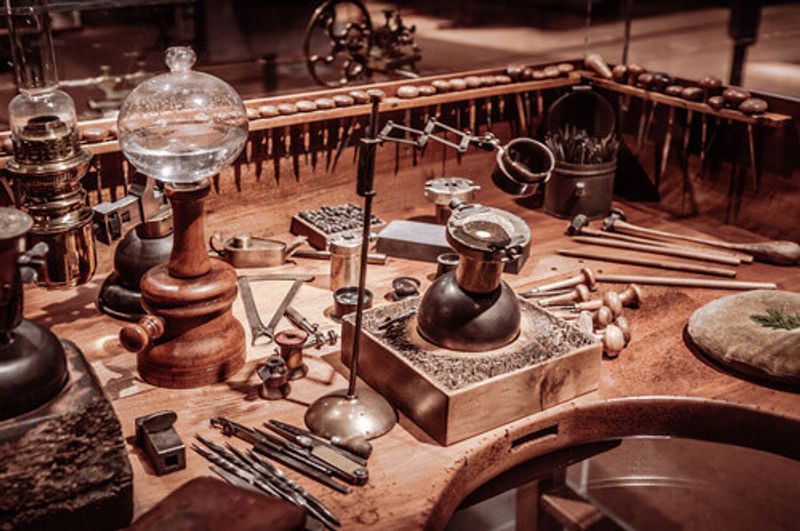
<point>478,276</point>
<point>344,262</point>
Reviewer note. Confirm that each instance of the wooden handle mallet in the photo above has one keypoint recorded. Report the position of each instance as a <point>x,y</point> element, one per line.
<point>780,252</point>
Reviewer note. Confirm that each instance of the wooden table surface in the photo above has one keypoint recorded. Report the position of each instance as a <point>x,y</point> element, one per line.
<point>657,386</point>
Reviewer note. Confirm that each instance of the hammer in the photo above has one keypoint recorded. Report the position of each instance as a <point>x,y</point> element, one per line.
<point>579,227</point>
<point>780,252</point>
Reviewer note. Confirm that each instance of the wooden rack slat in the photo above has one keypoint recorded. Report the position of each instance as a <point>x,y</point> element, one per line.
<point>767,119</point>
<point>390,104</point>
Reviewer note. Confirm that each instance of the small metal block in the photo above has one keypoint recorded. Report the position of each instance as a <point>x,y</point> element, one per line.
<point>515,72</point>
<point>753,106</point>
<point>692,94</point>
<point>160,442</point>
<point>94,134</point>
<point>674,90</point>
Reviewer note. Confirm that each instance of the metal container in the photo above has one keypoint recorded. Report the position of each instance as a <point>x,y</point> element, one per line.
<point>46,170</point>
<point>244,250</point>
<point>345,250</point>
<point>442,190</point>
<point>580,189</point>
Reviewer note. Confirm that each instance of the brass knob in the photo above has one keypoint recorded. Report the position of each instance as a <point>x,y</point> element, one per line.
<point>137,337</point>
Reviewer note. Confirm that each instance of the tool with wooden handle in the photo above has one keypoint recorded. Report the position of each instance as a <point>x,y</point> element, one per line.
<point>648,262</point>
<point>656,249</point>
<point>684,282</point>
<point>780,252</point>
<point>580,293</point>
<point>612,336</point>
<point>585,276</point>
<point>579,226</point>
<point>601,317</point>
<point>630,297</point>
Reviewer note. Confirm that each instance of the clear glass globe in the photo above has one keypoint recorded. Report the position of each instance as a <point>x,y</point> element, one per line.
<point>47,104</point>
<point>183,126</point>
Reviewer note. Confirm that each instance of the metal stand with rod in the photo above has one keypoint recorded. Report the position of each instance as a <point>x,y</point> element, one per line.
<point>349,413</point>
<point>522,165</point>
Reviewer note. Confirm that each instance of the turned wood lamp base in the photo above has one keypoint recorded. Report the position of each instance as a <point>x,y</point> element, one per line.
<point>189,338</point>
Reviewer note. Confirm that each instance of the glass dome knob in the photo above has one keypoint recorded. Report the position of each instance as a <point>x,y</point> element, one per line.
<point>180,58</point>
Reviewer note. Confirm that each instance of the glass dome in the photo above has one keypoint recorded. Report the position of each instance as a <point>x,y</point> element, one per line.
<point>183,126</point>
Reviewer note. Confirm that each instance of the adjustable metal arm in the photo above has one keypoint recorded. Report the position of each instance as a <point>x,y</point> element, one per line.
<point>487,142</point>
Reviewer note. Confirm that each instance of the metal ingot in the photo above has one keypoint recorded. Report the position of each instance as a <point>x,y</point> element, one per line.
<point>442,190</point>
<point>472,309</point>
<point>244,250</point>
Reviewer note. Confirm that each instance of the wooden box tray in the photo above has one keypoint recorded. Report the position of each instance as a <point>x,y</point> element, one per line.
<point>455,395</point>
<point>318,238</point>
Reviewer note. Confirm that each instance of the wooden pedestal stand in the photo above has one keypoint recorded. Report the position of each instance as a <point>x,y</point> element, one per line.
<point>190,337</point>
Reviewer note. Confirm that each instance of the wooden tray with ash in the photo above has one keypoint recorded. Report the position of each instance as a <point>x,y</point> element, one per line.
<point>455,395</point>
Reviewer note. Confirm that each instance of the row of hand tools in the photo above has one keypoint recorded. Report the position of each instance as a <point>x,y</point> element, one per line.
<point>601,318</point>
<point>325,461</point>
<point>619,234</point>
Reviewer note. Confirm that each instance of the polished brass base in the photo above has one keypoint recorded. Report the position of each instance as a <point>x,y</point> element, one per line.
<point>454,318</point>
<point>366,415</point>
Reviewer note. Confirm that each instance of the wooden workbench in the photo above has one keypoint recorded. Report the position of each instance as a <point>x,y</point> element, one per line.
<point>657,386</point>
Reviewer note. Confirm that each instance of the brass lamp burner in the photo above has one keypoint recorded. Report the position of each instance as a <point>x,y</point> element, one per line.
<point>472,309</point>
